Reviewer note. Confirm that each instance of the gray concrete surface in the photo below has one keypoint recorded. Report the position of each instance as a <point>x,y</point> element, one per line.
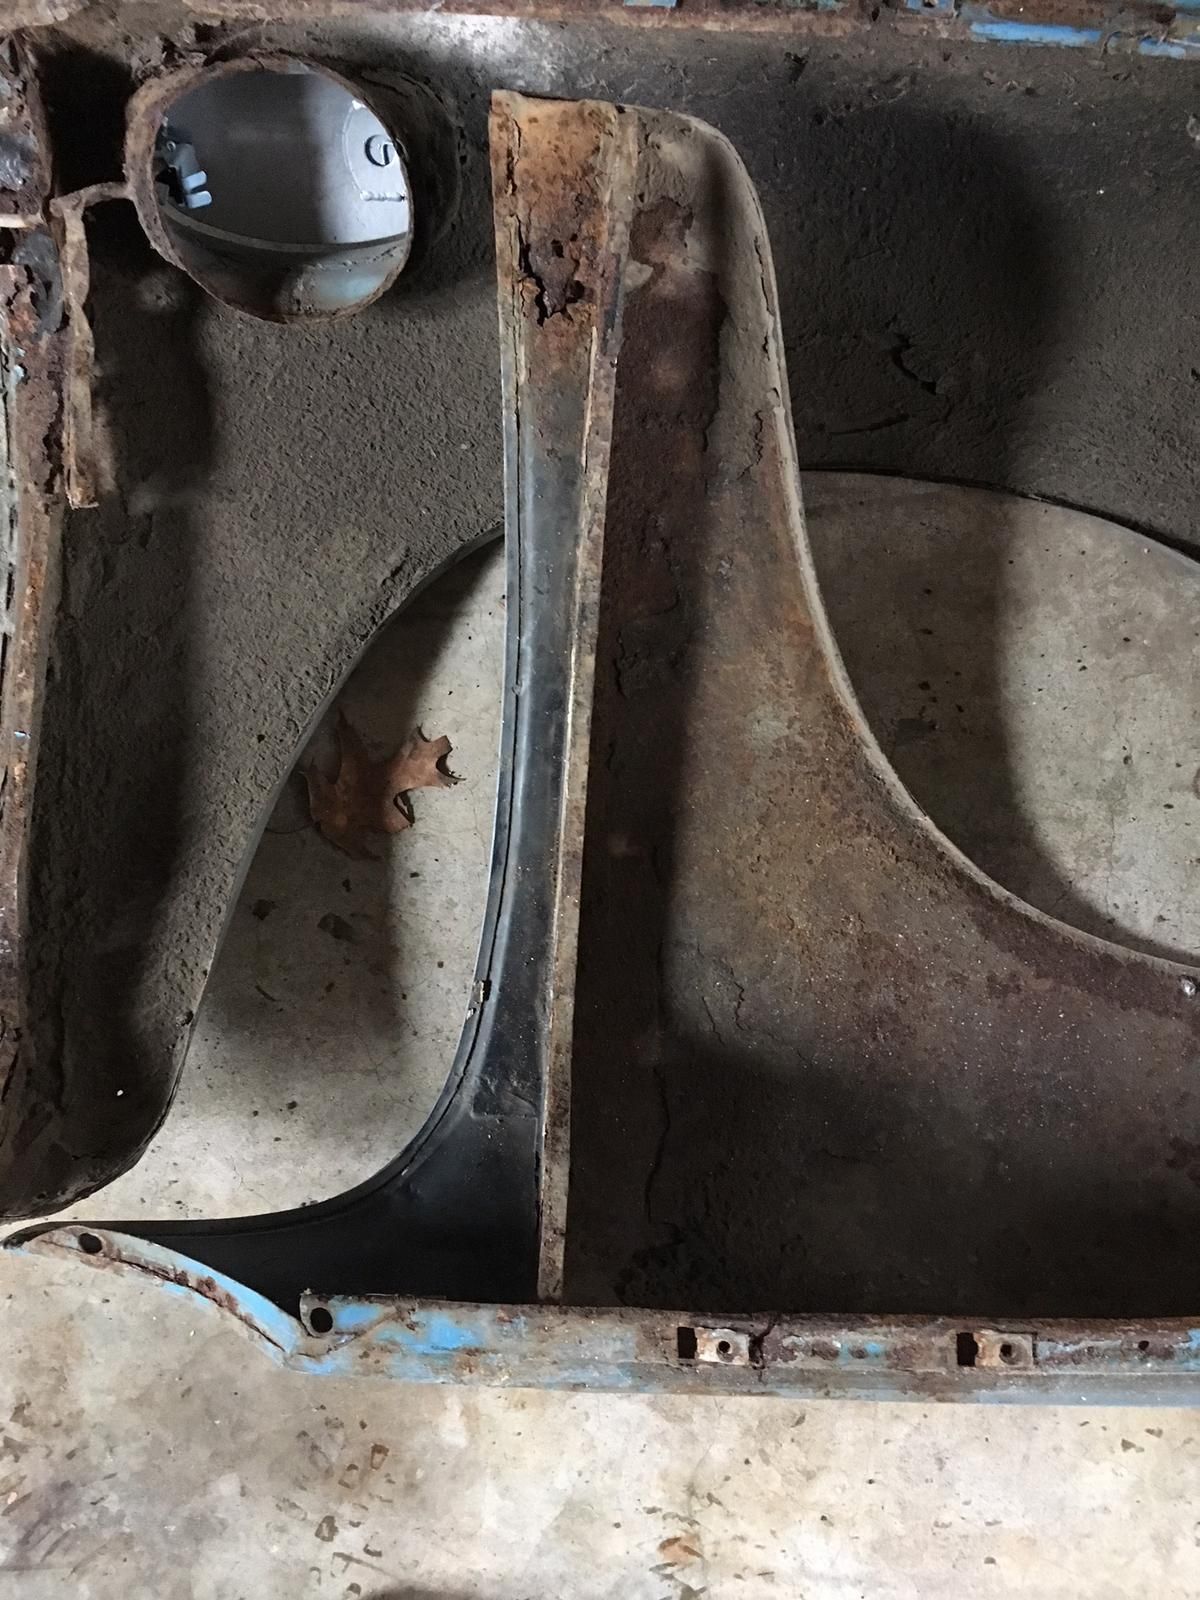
<point>1030,673</point>
<point>146,1450</point>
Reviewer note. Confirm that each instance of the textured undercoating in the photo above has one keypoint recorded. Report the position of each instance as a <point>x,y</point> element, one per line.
<point>984,276</point>
<point>276,493</point>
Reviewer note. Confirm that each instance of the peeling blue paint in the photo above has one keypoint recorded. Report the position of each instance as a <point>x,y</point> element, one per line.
<point>863,1351</point>
<point>1178,41</point>
<point>1039,33</point>
<point>563,1348</point>
<point>1176,49</point>
<point>352,1316</point>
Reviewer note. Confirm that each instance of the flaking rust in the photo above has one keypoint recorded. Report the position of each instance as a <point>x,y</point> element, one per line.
<point>32,360</point>
<point>563,193</point>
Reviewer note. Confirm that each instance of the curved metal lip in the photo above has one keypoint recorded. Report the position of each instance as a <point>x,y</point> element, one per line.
<point>222,238</point>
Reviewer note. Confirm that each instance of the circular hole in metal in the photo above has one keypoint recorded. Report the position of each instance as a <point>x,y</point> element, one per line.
<point>278,187</point>
<point>89,1244</point>
<point>1007,1353</point>
<point>320,1319</point>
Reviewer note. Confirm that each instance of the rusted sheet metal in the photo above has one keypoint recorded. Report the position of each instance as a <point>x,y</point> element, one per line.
<point>621,1349</point>
<point>24,150</point>
<point>279,1334</point>
<point>674,1351</point>
<point>1102,25</point>
<point>820,1060</point>
<point>562,186</point>
<point>69,212</point>
<point>32,363</point>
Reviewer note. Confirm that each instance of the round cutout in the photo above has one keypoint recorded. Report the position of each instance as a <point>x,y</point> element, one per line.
<point>275,184</point>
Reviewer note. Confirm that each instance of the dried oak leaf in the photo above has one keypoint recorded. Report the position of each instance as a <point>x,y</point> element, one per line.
<point>367,796</point>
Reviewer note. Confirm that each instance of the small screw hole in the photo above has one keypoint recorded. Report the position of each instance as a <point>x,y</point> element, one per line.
<point>724,1348</point>
<point>1143,1344</point>
<point>320,1319</point>
<point>1007,1353</point>
<point>89,1244</point>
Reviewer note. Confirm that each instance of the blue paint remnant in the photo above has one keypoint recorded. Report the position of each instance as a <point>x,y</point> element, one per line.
<point>1037,33</point>
<point>854,1352</point>
<point>982,25</point>
<point>561,1348</point>
<point>665,5</point>
<point>352,1316</point>
<point>436,1333</point>
<point>1176,49</point>
<point>443,1334</point>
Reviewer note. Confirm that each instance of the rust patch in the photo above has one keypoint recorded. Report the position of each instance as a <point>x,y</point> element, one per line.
<point>24,150</point>
<point>562,180</point>
<point>32,366</point>
<point>820,1059</point>
<point>79,459</point>
<point>96,1248</point>
<point>1003,1351</point>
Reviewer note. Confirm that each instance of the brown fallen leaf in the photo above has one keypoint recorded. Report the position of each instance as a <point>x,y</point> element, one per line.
<point>677,1551</point>
<point>367,796</point>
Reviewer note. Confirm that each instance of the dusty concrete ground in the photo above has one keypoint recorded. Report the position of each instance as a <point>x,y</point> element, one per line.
<point>149,1453</point>
<point>147,1450</point>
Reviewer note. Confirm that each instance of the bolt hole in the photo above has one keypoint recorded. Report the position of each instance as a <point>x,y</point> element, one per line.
<point>724,1348</point>
<point>320,1319</point>
<point>968,1349</point>
<point>89,1244</point>
<point>1143,1345</point>
<point>1007,1353</point>
<point>685,1343</point>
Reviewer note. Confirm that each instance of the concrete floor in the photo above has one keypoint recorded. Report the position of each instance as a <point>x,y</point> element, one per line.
<point>148,1451</point>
